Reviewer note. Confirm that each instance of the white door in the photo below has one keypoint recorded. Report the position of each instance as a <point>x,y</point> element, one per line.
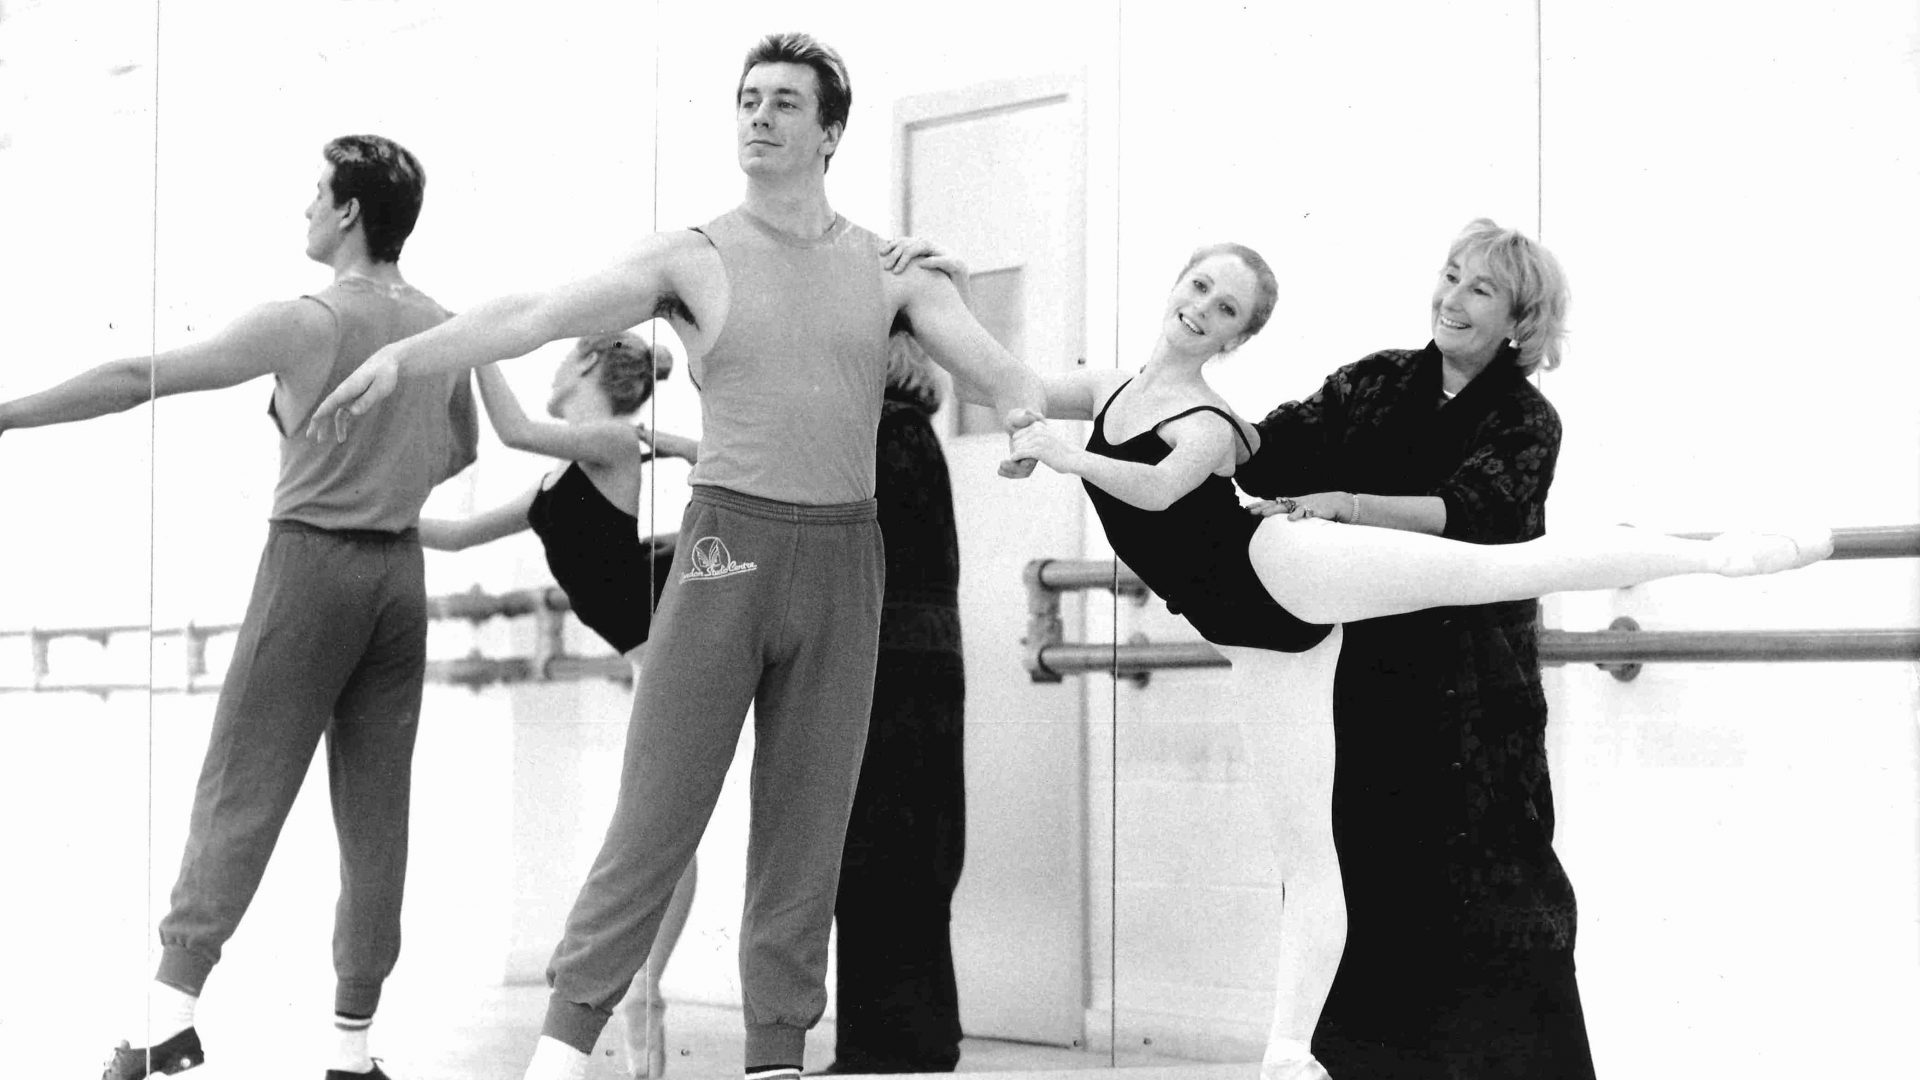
<point>997,174</point>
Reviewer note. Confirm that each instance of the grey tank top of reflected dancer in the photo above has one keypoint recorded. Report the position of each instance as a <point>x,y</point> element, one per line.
<point>425,432</point>
<point>790,391</point>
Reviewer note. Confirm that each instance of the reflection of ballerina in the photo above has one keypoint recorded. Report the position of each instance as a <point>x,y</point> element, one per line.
<point>1268,591</point>
<point>584,514</point>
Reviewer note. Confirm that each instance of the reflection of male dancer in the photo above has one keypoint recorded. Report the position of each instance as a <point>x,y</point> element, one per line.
<point>334,640</point>
<point>785,311</point>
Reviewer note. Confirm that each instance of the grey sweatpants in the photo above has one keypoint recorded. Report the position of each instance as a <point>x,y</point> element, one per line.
<point>777,605</point>
<point>334,644</point>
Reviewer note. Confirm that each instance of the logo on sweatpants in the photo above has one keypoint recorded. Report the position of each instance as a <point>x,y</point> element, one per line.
<point>711,559</point>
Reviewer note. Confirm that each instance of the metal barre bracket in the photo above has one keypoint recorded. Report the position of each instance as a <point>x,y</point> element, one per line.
<point>1043,621</point>
<point>1625,671</point>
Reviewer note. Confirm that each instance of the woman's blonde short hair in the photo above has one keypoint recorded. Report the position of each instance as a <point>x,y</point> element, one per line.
<point>1532,278</point>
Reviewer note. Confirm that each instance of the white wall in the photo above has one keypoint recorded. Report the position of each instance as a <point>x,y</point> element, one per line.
<point>78,283</point>
<point>1733,197</point>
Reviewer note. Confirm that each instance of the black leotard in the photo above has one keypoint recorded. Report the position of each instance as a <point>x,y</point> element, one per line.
<point>1193,554</point>
<point>595,553</point>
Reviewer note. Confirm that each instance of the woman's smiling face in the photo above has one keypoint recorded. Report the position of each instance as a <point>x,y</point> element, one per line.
<point>1209,308</point>
<point>1472,313</point>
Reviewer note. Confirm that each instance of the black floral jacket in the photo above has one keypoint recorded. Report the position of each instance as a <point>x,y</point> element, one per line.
<point>1443,810</point>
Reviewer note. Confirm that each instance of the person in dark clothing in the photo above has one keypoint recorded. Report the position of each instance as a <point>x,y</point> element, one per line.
<point>898,1005</point>
<point>1459,950</point>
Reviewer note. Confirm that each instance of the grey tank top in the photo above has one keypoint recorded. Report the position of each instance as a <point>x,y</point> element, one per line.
<point>423,433</point>
<point>790,391</point>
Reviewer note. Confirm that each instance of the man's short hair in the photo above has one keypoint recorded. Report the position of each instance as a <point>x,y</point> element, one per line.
<point>388,181</point>
<point>836,92</point>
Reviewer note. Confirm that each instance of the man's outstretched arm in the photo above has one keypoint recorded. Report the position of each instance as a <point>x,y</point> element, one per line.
<point>268,340</point>
<point>956,341</point>
<point>626,293</point>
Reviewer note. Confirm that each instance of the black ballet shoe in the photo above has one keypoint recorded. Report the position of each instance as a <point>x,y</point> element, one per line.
<point>1774,550</point>
<point>175,1054</point>
<point>348,1074</point>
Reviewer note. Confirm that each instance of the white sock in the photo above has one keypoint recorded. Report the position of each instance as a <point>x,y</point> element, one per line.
<point>350,1043</point>
<point>555,1060</point>
<point>169,1012</point>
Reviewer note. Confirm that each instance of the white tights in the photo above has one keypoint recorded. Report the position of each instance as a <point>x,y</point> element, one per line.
<point>1285,705</point>
<point>1325,572</point>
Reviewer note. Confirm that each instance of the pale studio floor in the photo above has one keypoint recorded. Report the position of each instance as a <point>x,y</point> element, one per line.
<point>704,1043</point>
<point>490,1035</point>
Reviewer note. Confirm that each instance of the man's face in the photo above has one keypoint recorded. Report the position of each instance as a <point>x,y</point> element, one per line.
<point>324,230</point>
<point>778,121</point>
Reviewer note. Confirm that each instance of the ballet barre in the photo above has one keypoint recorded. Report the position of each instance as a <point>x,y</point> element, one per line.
<point>550,660</point>
<point>1620,649</point>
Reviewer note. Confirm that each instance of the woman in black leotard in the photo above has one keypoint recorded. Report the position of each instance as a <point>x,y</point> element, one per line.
<point>1269,592</point>
<point>585,513</point>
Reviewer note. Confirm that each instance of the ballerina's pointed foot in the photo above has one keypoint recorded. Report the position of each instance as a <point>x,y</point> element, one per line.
<point>649,1059</point>
<point>1300,1069</point>
<point>1748,553</point>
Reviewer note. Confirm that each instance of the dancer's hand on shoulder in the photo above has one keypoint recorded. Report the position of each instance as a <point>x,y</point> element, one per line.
<point>904,251</point>
<point>368,386</point>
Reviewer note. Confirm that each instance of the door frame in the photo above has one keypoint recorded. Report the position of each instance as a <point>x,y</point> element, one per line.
<point>912,116</point>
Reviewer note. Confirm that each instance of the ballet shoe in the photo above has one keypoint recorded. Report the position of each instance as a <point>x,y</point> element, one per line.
<point>1745,554</point>
<point>1301,1069</point>
<point>174,1054</point>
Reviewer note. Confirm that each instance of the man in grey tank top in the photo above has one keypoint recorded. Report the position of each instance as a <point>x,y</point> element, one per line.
<point>784,308</point>
<point>334,639</point>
